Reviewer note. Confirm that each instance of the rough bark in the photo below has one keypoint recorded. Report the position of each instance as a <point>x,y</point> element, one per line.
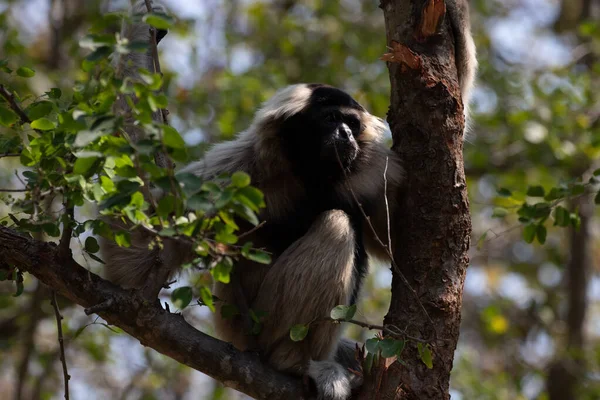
<point>434,226</point>
<point>153,326</point>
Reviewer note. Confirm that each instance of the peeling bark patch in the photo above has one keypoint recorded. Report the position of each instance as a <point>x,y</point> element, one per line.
<point>431,19</point>
<point>401,54</point>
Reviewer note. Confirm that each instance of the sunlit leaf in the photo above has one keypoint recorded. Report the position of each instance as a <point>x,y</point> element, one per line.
<point>298,332</point>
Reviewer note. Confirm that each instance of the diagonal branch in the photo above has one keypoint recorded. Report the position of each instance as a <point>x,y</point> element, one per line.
<point>148,322</point>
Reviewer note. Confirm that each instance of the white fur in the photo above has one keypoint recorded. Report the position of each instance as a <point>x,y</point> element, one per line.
<point>331,380</point>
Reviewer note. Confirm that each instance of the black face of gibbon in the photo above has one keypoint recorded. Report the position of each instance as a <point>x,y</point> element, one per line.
<point>321,140</point>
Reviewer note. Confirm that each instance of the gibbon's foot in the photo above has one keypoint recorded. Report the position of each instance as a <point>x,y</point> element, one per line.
<point>330,380</point>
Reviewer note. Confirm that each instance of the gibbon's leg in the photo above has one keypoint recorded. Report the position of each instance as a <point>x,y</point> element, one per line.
<point>310,278</point>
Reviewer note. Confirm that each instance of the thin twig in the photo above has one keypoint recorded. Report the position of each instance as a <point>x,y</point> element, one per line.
<point>389,329</point>
<point>9,155</point>
<point>387,205</point>
<point>154,47</point>
<point>257,227</point>
<point>14,190</point>
<point>10,99</point>
<point>387,249</point>
<point>61,342</point>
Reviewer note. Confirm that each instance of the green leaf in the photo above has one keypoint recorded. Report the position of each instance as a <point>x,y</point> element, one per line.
<point>199,202</point>
<point>91,245</point>
<point>298,332</point>
<point>107,184</point>
<point>181,297</point>
<point>224,199</point>
<point>372,345</point>
<point>425,354</point>
<point>562,216</point>
<point>391,347</point>
<point>54,93</point>
<point>228,219</point>
<point>541,233</point>
<point>556,193</point>
<point>4,66</point>
<point>342,312</point>
<point>577,190</point>
<point>255,255</point>
<point>7,117</point>
<point>207,299</point>
<point>99,54</point>
<point>499,212</point>
<point>171,138</point>
<point>123,239</point>
<point>226,237</point>
<point>25,72</point>
<point>158,21</point>
<point>254,197</point>
<point>503,192</point>
<point>83,165</point>
<point>39,109</point>
<point>240,179</point>
<point>242,210</point>
<point>86,137</point>
<point>43,124</point>
<point>166,206</point>
<point>190,183</point>
<point>222,271</point>
<point>535,191</point>
<point>19,283</point>
<point>51,229</point>
<point>529,233</point>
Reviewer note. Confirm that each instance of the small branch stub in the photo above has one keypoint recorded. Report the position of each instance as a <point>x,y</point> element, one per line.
<point>401,54</point>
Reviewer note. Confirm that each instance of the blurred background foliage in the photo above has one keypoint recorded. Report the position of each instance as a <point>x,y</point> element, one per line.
<point>531,310</point>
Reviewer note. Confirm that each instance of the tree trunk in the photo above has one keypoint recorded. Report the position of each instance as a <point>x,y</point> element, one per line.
<point>434,225</point>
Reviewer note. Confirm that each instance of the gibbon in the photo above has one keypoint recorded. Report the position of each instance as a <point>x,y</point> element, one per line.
<point>316,154</point>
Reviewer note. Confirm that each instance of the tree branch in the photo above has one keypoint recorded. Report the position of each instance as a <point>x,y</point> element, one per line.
<point>148,322</point>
